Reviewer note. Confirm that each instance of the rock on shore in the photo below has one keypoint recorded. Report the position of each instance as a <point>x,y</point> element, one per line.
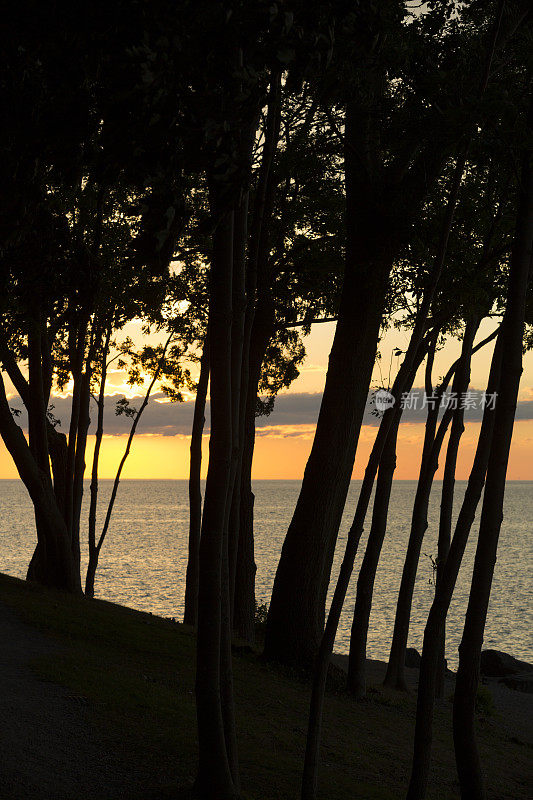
<point>507,670</point>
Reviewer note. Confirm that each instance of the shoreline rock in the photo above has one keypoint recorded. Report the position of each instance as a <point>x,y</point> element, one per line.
<point>504,669</point>
<point>497,664</point>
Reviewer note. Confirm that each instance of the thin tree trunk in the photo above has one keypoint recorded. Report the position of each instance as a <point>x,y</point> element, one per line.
<point>256,276</point>
<point>356,681</point>
<point>244,598</point>
<point>214,779</point>
<point>243,310</point>
<point>446,505</point>
<point>444,591</point>
<point>195,493</point>
<point>405,373</point>
<point>395,675</point>
<point>239,377</point>
<point>93,550</point>
<point>466,752</point>
<point>37,435</point>
<point>296,615</point>
<point>79,460</point>
<point>77,354</point>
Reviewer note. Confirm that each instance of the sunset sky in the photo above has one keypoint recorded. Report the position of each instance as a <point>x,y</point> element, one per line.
<point>284,439</point>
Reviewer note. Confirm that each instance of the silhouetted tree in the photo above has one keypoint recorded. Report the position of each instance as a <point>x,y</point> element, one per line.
<point>467,756</point>
<point>378,174</point>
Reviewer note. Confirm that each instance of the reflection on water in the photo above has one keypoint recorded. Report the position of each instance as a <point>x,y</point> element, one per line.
<point>144,559</point>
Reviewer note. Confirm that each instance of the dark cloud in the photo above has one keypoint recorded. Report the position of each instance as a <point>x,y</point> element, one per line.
<point>301,408</point>
<point>158,417</point>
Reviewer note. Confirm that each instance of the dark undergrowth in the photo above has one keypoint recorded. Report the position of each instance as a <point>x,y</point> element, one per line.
<point>135,673</point>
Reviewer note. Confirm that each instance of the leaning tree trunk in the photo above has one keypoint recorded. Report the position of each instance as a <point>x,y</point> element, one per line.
<point>296,615</point>
<point>95,548</point>
<point>395,675</point>
<point>356,681</point>
<point>406,373</point>
<point>446,504</point>
<point>466,752</point>
<point>190,614</point>
<point>50,564</point>
<point>55,566</point>
<point>40,569</point>
<point>431,652</point>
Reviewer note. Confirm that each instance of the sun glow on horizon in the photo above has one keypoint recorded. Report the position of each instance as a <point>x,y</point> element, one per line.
<point>281,452</point>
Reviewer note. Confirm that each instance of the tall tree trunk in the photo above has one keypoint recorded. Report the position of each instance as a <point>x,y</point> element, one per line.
<point>446,504</point>
<point>218,770</point>
<point>214,779</point>
<point>431,651</point>
<point>79,460</point>
<point>356,681</point>
<point>195,493</point>
<point>365,583</point>
<point>296,614</point>
<point>244,597</point>
<point>466,752</point>
<point>242,566</point>
<point>93,504</point>
<point>77,350</point>
<point>395,675</point>
<point>243,303</point>
<point>90,575</point>
<point>405,373</point>
<point>239,379</point>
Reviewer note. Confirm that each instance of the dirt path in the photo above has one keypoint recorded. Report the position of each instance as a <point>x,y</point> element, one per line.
<point>50,748</point>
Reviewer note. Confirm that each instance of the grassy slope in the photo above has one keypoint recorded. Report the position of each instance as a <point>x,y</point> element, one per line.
<point>136,673</point>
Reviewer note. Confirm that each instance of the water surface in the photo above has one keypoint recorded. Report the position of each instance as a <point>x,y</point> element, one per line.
<point>144,559</point>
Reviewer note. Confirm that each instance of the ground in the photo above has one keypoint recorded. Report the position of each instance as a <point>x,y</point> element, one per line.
<point>96,701</point>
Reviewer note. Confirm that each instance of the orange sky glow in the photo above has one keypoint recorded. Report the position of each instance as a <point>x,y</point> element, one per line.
<point>282,450</point>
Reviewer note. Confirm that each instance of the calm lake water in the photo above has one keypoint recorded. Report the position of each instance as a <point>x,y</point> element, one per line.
<point>144,558</point>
